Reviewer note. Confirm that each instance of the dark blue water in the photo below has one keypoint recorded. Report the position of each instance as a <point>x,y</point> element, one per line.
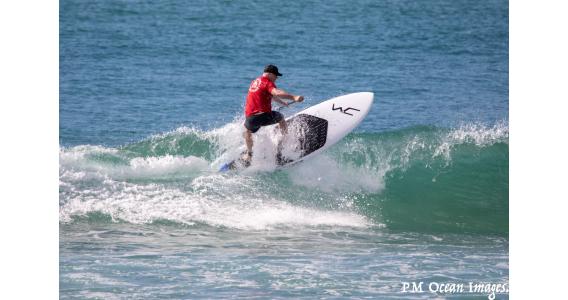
<point>129,69</point>
<point>152,96</point>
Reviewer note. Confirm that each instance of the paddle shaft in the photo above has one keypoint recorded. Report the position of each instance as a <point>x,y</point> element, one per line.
<point>285,106</point>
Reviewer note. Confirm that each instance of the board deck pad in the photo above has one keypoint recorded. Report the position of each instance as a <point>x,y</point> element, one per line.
<point>310,131</point>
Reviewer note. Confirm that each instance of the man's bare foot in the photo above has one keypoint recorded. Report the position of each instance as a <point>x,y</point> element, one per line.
<point>247,156</point>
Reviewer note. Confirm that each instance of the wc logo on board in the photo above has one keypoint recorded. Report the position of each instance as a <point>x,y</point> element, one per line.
<point>345,111</point>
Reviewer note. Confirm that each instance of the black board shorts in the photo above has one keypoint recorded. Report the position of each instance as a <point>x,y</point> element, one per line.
<point>254,122</point>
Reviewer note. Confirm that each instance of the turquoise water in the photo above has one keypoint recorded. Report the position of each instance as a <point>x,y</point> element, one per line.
<point>151,101</point>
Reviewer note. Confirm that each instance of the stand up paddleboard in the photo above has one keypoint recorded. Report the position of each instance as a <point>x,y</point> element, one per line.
<point>319,127</point>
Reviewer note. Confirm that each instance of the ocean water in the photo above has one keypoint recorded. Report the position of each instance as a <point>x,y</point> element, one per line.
<point>151,103</point>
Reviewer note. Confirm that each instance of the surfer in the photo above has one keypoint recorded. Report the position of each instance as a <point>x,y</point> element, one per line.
<point>258,108</point>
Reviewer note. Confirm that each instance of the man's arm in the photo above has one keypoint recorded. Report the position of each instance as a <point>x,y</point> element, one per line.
<point>282,94</point>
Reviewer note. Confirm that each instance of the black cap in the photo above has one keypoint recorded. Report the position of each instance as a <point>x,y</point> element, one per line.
<point>272,69</point>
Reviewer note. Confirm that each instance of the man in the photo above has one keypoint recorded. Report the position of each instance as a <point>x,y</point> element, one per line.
<point>258,108</point>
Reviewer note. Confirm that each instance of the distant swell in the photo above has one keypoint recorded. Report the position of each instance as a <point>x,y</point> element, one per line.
<point>423,179</point>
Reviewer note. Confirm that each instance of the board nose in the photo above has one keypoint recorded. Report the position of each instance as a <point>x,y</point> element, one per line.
<point>366,97</point>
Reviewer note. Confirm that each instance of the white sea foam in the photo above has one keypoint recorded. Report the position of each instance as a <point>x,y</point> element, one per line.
<point>165,165</point>
<point>80,161</point>
<point>135,203</point>
<point>324,173</point>
<point>89,185</point>
<point>230,141</point>
<point>478,134</point>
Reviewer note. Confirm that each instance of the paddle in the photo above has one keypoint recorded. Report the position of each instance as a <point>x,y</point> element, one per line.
<point>285,106</point>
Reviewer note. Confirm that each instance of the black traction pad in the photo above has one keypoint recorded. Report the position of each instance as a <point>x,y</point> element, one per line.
<point>311,132</point>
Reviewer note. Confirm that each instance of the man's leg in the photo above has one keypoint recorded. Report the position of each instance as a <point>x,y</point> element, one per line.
<point>284,129</point>
<point>249,142</point>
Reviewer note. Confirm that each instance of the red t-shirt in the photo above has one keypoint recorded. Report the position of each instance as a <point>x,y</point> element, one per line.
<point>259,98</point>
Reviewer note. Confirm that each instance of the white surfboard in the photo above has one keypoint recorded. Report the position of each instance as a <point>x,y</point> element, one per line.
<point>320,126</point>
